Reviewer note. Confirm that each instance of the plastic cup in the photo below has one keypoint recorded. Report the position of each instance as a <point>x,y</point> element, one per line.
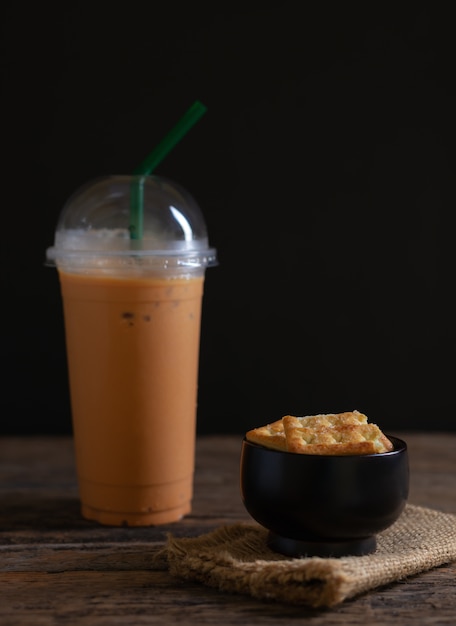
<point>132,314</point>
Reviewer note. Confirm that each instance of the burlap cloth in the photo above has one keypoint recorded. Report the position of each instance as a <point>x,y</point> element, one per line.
<point>235,558</point>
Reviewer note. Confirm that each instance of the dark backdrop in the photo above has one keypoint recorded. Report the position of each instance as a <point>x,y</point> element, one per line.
<point>324,167</point>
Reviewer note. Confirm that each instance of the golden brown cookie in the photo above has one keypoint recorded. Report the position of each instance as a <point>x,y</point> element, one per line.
<point>270,436</point>
<point>325,433</point>
<point>338,439</point>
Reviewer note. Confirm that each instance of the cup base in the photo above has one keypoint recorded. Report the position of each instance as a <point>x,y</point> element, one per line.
<point>326,549</point>
<point>136,504</point>
<point>155,518</point>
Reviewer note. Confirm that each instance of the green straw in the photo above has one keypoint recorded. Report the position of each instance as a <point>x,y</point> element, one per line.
<point>145,168</point>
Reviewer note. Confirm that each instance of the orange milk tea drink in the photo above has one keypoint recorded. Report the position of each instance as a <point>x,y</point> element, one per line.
<point>132,312</point>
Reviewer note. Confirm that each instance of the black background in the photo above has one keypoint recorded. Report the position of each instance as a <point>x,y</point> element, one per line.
<point>324,167</point>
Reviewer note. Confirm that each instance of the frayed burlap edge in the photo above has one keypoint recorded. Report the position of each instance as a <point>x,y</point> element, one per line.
<point>236,559</point>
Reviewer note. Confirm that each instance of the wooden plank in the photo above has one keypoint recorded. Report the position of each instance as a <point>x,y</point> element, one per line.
<point>52,558</point>
<point>154,597</point>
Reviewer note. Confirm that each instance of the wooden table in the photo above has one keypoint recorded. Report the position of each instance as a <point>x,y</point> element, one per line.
<point>57,568</point>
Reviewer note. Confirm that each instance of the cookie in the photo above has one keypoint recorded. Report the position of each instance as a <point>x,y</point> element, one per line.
<point>338,439</point>
<point>344,433</point>
<point>270,436</point>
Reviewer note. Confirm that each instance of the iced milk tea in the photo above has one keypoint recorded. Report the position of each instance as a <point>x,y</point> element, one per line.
<point>133,350</point>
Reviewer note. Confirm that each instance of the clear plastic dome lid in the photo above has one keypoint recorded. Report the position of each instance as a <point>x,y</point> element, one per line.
<point>116,221</point>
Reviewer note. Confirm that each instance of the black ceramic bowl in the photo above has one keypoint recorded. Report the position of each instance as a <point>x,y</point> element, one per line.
<point>316,505</point>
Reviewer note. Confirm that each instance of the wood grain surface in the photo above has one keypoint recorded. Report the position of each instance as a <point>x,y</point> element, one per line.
<point>57,568</point>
